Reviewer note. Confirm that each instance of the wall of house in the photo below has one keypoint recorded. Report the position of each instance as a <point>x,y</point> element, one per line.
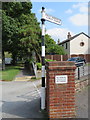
<point>88,46</point>
<point>75,47</point>
<point>67,50</point>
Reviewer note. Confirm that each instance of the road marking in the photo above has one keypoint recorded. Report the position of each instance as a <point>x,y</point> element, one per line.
<point>37,89</point>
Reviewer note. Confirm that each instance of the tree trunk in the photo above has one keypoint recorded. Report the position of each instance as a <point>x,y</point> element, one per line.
<point>14,57</point>
<point>39,57</point>
<point>3,61</point>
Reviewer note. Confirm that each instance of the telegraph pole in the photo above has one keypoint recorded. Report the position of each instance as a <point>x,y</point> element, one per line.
<point>43,61</point>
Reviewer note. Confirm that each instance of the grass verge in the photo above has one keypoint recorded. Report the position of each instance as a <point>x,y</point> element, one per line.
<point>10,72</point>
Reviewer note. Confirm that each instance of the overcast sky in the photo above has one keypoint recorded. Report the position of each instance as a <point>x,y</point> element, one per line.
<point>74,17</point>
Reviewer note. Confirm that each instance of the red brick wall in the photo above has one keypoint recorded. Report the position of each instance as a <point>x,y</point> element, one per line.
<point>87,57</point>
<point>57,57</point>
<point>60,98</point>
<point>65,57</point>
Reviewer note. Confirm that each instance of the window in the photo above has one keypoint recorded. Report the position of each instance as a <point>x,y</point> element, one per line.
<point>66,45</point>
<point>81,44</point>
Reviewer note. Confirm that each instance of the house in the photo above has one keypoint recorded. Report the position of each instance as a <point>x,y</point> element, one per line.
<point>78,44</point>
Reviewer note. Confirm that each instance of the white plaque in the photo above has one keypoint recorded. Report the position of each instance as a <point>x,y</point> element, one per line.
<point>61,79</point>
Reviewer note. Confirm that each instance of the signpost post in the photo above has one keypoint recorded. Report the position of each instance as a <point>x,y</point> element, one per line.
<point>43,62</point>
<point>58,22</point>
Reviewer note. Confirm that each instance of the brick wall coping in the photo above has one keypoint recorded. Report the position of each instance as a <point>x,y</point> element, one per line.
<point>60,65</point>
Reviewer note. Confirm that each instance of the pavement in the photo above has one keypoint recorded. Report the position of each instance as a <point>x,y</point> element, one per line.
<point>21,99</point>
<point>82,103</point>
<point>24,75</point>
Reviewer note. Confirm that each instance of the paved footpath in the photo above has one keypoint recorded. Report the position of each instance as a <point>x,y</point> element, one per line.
<point>82,103</point>
<point>24,75</point>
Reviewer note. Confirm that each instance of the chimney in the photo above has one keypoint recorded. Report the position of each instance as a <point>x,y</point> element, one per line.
<point>58,42</point>
<point>69,35</point>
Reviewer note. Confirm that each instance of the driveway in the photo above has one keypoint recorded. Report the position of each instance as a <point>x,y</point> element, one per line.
<point>21,100</point>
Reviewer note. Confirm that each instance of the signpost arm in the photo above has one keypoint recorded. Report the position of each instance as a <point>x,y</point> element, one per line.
<point>43,62</point>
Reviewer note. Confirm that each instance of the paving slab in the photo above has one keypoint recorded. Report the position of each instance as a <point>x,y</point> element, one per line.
<point>82,103</point>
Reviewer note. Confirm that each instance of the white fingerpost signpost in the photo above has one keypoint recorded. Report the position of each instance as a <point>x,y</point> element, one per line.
<point>45,17</point>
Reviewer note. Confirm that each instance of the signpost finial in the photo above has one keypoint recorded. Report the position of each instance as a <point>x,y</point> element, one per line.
<point>43,8</point>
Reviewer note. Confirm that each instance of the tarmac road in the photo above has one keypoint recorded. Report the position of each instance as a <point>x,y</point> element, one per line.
<point>21,100</point>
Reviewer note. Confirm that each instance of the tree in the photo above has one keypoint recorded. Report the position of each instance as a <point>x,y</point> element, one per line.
<point>52,47</point>
<point>30,37</point>
<point>21,31</point>
<point>9,30</point>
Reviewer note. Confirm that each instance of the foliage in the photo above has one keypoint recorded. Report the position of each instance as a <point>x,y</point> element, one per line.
<point>39,66</point>
<point>30,37</point>
<point>10,72</point>
<point>7,55</point>
<point>49,60</point>
<point>52,47</point>
<point>21,31</point>
<point>9,29</point>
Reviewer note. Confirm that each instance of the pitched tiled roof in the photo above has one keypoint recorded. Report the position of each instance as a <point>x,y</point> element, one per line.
<point>67,40</point>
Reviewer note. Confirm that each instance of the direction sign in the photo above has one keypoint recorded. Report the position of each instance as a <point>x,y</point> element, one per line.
<point>52,19</point>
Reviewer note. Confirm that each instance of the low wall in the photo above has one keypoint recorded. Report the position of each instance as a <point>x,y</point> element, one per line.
<point>65,57</point>
<point>80,84</point>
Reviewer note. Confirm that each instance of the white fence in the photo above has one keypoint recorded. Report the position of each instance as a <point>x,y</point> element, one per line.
<point>82,71</point>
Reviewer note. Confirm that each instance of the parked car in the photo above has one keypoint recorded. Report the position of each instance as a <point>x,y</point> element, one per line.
<point>79,61</point>
<point>8,60</point>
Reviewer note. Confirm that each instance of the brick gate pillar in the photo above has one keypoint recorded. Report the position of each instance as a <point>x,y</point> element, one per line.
<point>60,89</point>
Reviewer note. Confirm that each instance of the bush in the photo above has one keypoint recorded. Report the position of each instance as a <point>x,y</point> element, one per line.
<point>49,60</point>
<point>39,66</point>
